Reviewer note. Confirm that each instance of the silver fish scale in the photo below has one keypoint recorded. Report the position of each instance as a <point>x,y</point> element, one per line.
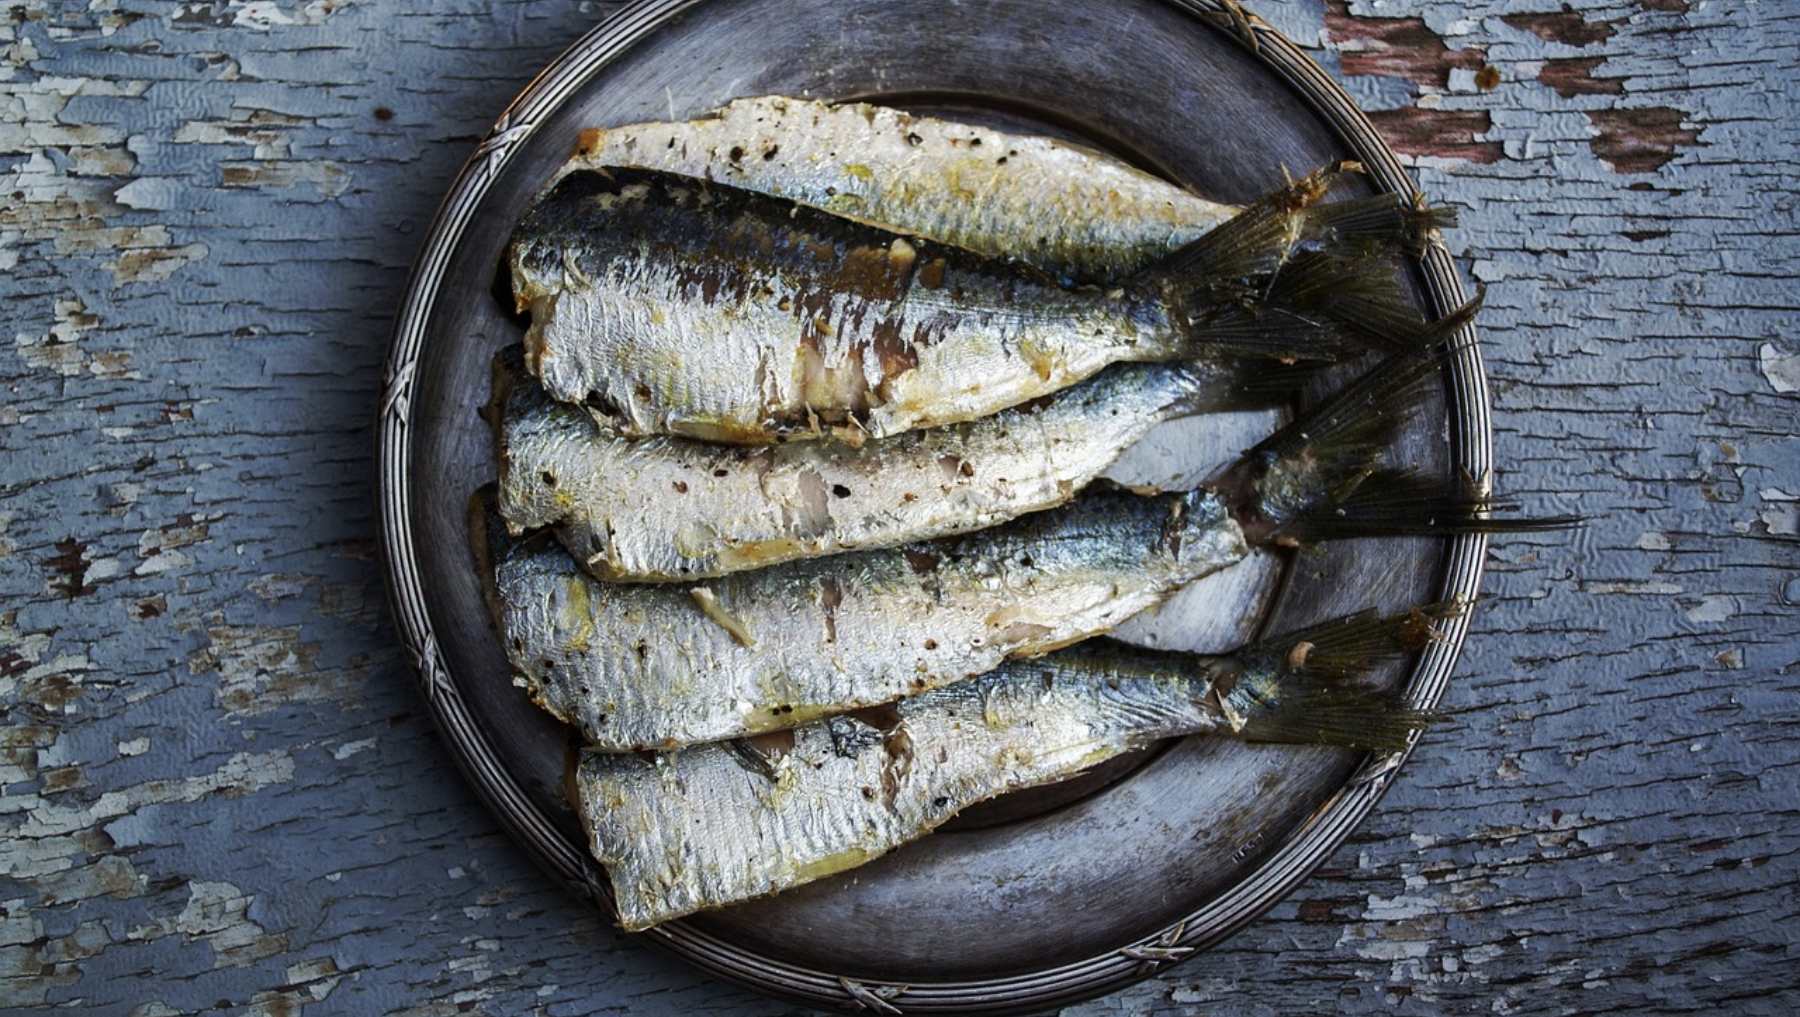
<point>673,509</point>
<point>1057,206</point>
<point>699,828</point>
<point>642,665</point>
<point>653,331</point>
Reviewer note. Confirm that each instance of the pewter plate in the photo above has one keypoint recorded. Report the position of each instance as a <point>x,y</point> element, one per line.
<point>1044,897</point>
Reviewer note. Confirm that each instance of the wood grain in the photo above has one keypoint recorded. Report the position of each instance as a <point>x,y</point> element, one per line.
<point>218,789</point>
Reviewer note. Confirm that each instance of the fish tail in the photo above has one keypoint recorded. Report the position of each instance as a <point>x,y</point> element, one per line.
<point>1319,477</point>
<point>1334,443</point>
<point>1291,687</point>
<point>1289,278</point>
<point>1352,717</point>
<point>1265,381</point>
<point>1348,646</point>
<point>1392,503</point>
<point>1379,222</point>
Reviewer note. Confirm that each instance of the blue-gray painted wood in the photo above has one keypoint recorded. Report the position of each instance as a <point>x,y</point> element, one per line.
<point>218,788</point>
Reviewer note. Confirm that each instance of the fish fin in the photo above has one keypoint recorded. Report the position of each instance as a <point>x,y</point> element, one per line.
<point>1319,477</point>
<point>1364,413</point>
<point>1390,503</point>
<point>751,759</point>
<point>1335,443</point>
<point>1289,278</point>
<point>1258,239</point>
<point>1379,222</point>
<point>1351,717</point>
<point>1317,306</point>
<point>1349,646</point>
<point>1267,380</point>
<point>1292,687</point>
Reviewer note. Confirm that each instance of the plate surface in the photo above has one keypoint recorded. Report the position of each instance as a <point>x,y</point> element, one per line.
<point>1043,897</point>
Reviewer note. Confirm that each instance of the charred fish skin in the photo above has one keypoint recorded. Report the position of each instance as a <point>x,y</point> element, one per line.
<point>668,509</point>
<point>702,828</point>
<point>1067,210</point>
<point>637,666</point>
<point>693,308</point>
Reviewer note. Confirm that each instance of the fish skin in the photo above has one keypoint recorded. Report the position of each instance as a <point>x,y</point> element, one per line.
<point>672,509</point>
<point>638,666</point>
<point>1029,586</point>
<point>1065,209</point>
<point>686,831</point>
<point>692,308</point>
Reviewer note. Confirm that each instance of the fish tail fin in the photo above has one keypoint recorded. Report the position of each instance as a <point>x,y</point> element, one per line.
<point>1352,717</point>
<point>1393,503</point>
<point>1262,381</point>
<point>1319,477</point>
<point>1334,443</point>
<point>1348,646</point>
<point>1289,278</point>
<point>1379,222</point>
<point>1292,687</point>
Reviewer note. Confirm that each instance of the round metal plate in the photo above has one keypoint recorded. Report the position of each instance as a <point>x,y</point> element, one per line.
<point>1042,898</point>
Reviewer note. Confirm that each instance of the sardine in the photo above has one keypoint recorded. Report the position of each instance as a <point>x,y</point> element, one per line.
<point>637,666</point>
<point>651,665</point>
<point>720,824</point>
<point>1062,208</point>
<point>678,306</point>
<point>669,508</point>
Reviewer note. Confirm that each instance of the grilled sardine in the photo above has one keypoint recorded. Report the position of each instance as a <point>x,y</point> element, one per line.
<point>669,508</point>
<point>674,305</point>
<point>638,666</point>
<point>715,825</point>
<point>1064,209</point>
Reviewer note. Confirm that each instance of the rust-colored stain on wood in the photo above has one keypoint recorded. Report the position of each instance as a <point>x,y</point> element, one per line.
<point>1324,911</point>
<point>1447,133</point>
<point>1566,27</point>
<point>1640,140</point>
<point>1395,47</point>
<point>1575,76</point>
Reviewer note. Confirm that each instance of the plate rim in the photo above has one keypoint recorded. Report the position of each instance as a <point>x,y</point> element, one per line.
<point>1289,864</point>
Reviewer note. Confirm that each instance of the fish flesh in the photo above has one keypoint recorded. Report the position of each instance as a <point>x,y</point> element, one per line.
<point>674,305</point>
<point>639,666</point>
<point>714,825</point>
<point>636,665</point>
<point>1065,209</point>
<point>672,509</point>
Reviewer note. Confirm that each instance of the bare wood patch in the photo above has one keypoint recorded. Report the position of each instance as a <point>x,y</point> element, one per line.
<point>1395,47</point>
<point>1566,26</point>
<point>1446,133</point>
<point>1575,76</point>
<point>1641,140</point>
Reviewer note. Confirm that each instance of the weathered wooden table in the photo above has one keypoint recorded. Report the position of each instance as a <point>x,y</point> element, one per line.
<point>218,787</point>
